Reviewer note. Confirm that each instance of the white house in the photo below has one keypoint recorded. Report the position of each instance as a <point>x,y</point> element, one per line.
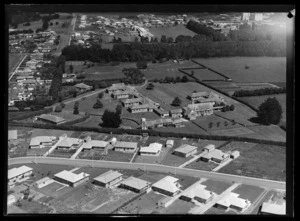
<point>108,179</point>
<point>234,202</point>
<point>273,209</point>
<point>185,150</point>
<point>43,182</point>
<point>69,143</point>
<point>42,141</point>
<point>135,184</point>
<point>198,193</point>
<point>125,146</point>
<point>215,155</point>
<point>168,186</point>
<point>19,174</point>
<point>70,178</point>
<point>153,149</point>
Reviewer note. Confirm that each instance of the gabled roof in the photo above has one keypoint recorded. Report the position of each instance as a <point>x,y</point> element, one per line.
<point>68,142</point>
<point>123,144</point>
<point>133,100</point>
<point>185,148</point>
<point>141,106</point>
<point>198,191</point>
<point>52,118</point>
<point>135,183</point>
<point>40,139</point>
<point>71,177</point>
<point>18,171</point>
<point>234,200</point>
<point>108,176</point>
<point>167,183</point>
<point>216,154</point>
<point>273,208</point>
<point>152,148</point>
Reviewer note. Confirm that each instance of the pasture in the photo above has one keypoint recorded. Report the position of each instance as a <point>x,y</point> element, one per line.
<point>261,69</point>
<point>252,161</point>
<point>170,31</point>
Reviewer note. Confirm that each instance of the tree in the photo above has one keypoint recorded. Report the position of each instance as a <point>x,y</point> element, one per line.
<point>45,25</point>
<point>76,107</point>
<point>210,124</point>
<point>111,119</point>
<point>133,75</point>
<point>231,107</point>
<point>102,84</point>
<point>119,109</point>
<point>192,72</point>
<point>58,108</point>
<point>56,23</point>
<point>141,64</point>
<point>170,40</point>
<point>62,105</point>
<point>51,24</point>
<point>163,39</point>
<point>98,104</point>
<point>178,79</point>
<point>150,86</point>
<point>270,111</point>
<point>176,101</point>
<point>184,79</point>
<point>71,68</point>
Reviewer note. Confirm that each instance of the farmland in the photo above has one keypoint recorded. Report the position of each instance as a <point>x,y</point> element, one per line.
<point>266,69</point>
<point>252,161</point>
<point>170,31</point>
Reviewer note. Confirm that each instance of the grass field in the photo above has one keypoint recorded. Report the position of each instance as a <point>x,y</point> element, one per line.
<point>248,192</point>
<point>215,186</point>
<point>272,132</point>
<point>178,207</point>
<point>205,74</point>
<point>34,207</point>
<point>171,31</point>
<point>252,161</point>
<point>118,156</point>
<point>261,69</point>
<point>13,60</point>
<point>188,128</point>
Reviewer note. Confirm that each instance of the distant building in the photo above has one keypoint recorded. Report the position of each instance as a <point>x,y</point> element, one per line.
<point>135,184</point>
<point>108,179</point>
<point>43,182</point>
<point>121,94</point>
<point>69,143</point>
<point>156,123</point>
<point>116,87</point>
<point>125,146</point>
<point>48,118</point>
<point>235,154</point>
<point>42,141</point>
<point>81,87</point>
<point>209,147</point>
<point>153,149</point>
<point>131,102</point>
<point>192,111</point>
<point>272,209</point>
<point>161,113</point>
<point>71,178</point>
<point>185,150</point>
<point>168,186</point>
<point>94,144</point>
<point>176,113</point>
<point>198,95</point>
<point>139,108</point>
<point>215,155</point>
<point>16,175</point>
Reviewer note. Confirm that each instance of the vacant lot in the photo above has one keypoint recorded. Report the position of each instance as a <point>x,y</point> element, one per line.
<point>13,61</point>
<point>201,165</point>
<point>62,153</point>
<point>170,31</point>
<point>19,147</point>
<point>248,192</point>
<point>261,69</point>
<point>178,207</point>
<point>252,161</point>
<point>215,186</point>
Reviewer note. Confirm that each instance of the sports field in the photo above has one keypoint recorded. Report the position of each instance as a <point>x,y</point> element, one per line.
<point>261,69</point>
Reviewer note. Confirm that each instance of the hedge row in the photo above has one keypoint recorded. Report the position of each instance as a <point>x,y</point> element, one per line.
<point>150,133</point>
<point>71,122</point>
<point>32,114</point>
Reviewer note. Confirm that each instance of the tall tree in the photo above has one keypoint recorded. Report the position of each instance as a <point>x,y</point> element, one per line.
<point>270,111</point>
<point>110,119</point>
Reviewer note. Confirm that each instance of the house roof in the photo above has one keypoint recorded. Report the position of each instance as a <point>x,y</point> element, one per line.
<point>12,134</point>
<point>18,171</point>
<point>152,148</point>
<point>198,191</point>
<point>133,100</point>
<point>200,106</point>
<point>51,118</point>
<point>135,183</point>
<point>161,111</point>
<point>82,86</point>
<point>176,111</point>
<point>142,106</point>
<point>170,142</point>
<point>233,199</point>
<point>71,177</point>
<point>217,154</point>
<point>210,147</point>
<point>108,176</point>
<point>235,153</point>
<point>167,183</point>
<point>199,94</point>
<point>273,208</point>
<point>40,139</point>
<point>123,144</point>
<point>68,142</point>
<point>44,179</point>
<point>185,148</point>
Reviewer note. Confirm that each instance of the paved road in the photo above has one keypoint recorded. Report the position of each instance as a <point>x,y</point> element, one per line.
<point>271,184</point>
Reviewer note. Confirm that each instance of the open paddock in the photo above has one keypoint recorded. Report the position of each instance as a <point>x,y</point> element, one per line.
<point>248,192</point>
<point>252,161</point>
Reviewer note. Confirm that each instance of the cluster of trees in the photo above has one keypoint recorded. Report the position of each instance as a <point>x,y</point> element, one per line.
<point>111,119</point>
<point>270,111</point>
<point>26,24</point>
<point>133,76</point>
<point>116,40</point>
<point>150,86</point>
<point>141,64</point>
<point>173,80</point>
<point>17,17</point>
<point>188,38</point>
<point>34,105</point>
<point>24,31</point>
<point>259,92</point>
<point>228,108</point>
<point>98,103</point>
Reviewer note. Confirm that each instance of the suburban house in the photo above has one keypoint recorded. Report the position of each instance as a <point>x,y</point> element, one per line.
<point>272,209</point>
<point>48,118</point>
<point>71,178</point>
<point>176,113</point>
<point>178,122</point>
<point>161,113</point>
<point>215,155</point>
<point>42,141</point>
<point>198,193</point>
<point>234,202</point>
<point>19,174</point>
<point>12,135</point>
<point>192,111</point>
<point>121,94</point>
<point>139,108</point>
<point>156,123</point>
<point>125,146</point>
<point>94,144</point>
<point>43,182</point>
<point>170,143</point>
<point>153,149</point>
<point>198,95</point>
<point>69,142</point>
<point>209,147</point>
<point>168,186</point>
<point>108,179</point>
<point>81,87</point>
<point>116,87</point>
<point>235,154</point>
<point>135,184</point>
<point>185,150</point>
<point>131,102</point>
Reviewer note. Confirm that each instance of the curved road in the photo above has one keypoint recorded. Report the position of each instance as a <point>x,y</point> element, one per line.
<point>271,184</point>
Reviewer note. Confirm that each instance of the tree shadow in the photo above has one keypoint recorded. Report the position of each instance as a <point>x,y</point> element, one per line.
<point>257,120</point>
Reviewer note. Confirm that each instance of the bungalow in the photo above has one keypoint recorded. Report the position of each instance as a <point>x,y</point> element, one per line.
<point>170,143</point>
<point>131,102</point>
<point>178,122</point>
<point>71,178</point>
<point>91,144</point>
<point>140,108</point>
<point>185,150</point>
<point>161,113</point>
<point>198,193</point>
<point>43,182</point>
<point>198,95</point>
<point>121,94</point>
<point>42,141</point>
<point>116,87</point>
<point>234,202</point>
<point>215,155</point>
<point>168,186</point>
<point>81,87</point>
<point>156,123</point>
<point>192,111</point>
<point>153,149</point>
<point>69,143</point>
<point>209,147</point>
<point>272,209</point>
<point>125,146</point>
<point>48,118</point>
<point>135,184</point>
<point>108,179</point>
<point>176,113</point>
<point>235,154</point>
<point>16,175</point>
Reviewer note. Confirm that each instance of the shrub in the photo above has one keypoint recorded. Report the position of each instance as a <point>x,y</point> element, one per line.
<point>62,105</point>
<point>58,108</point>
